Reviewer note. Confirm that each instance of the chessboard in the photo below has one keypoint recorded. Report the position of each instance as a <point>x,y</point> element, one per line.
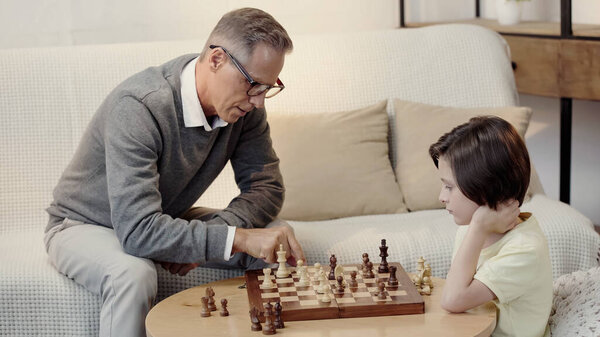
<point>303,302</point>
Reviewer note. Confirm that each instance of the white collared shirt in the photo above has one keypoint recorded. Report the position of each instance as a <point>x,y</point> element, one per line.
<point>193,116</point>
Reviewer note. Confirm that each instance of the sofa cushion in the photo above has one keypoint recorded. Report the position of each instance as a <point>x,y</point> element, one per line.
<point>420,125</point>
<point>335,164</point>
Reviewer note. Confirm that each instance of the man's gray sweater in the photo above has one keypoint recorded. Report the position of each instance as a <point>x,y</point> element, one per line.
<point>138,168</point>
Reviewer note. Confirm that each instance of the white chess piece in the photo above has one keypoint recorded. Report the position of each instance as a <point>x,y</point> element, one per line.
<point>267,282</point>
<point>325,298</point>
<point>323,282</point>
<point>282,270</point>
<point>301,270</point>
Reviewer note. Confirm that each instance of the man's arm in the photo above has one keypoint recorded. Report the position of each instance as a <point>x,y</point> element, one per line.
<point>461,291</point>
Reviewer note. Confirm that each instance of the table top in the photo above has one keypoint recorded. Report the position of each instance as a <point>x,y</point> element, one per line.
<point>179,315</point>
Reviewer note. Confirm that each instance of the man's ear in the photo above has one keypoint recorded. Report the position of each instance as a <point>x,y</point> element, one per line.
<point>216,59</point>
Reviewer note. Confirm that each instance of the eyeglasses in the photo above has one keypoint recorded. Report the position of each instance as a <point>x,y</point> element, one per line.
<point>255,87</point>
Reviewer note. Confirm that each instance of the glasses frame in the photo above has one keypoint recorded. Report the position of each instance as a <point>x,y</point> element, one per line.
<point>253,84</point>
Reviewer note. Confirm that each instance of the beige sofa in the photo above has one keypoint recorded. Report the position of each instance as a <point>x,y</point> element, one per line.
<point>351,129</point>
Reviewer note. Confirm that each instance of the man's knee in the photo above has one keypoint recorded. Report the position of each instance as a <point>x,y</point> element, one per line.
<point>137,275</point>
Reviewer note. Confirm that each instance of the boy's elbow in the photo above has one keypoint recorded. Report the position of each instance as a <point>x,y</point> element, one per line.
<point>452,304</point>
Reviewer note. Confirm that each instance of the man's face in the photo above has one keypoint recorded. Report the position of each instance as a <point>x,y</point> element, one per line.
<point>457,204</point>
<point>228,91</point>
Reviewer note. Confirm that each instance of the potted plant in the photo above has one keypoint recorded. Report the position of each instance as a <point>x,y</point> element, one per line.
<point>509,11</point>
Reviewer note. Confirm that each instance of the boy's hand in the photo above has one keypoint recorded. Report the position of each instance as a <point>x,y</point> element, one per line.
<point>501,220</point>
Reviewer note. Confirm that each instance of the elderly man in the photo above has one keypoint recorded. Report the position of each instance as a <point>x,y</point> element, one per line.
<point>154,146</point>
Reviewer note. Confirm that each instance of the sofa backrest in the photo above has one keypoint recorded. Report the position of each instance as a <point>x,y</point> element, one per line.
<point>48,95</point>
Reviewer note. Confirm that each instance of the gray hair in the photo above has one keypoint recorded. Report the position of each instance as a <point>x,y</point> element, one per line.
<point>241,30</point>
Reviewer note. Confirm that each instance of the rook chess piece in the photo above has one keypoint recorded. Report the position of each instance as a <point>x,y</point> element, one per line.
<point>204,311</point>
<point>282,270</point>
<point>278,321</point>
<point>383,267</point>
<point>332,264</point>
<point>210,293</point>
<point>254,319</point>
<point>224,311</point>
<point>393,281</point>
<point>269,328</point>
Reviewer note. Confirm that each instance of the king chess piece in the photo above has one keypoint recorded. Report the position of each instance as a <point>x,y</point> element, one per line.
<point>332,265</point>
<point>383,267</point>
<point>278,321</point>
<point>282,270</point>
<point>269,328</point>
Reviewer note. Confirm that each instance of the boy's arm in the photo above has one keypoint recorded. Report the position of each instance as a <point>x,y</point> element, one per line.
<point>462,292</point>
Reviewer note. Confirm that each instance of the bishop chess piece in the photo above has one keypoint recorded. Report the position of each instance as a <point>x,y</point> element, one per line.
<point>269,328</point>
<point>383,267</point>
<point>224,311</point>
<point>393,281</point>
<point>254,319</point>
<point>332,265</point>
<point>278,321</point>
<point>210,293</point>
<point>282,270</point>
<point>204,311</point>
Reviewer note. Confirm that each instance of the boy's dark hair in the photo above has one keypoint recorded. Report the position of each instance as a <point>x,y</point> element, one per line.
<point>488,158</point>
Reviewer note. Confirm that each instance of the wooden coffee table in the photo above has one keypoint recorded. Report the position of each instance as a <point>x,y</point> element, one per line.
<point>179,315</point>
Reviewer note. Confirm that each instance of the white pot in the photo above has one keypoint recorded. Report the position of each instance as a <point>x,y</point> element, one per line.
<point>509,11</point>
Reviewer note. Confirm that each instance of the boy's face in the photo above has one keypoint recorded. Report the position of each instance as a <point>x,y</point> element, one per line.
<point>457,204</point>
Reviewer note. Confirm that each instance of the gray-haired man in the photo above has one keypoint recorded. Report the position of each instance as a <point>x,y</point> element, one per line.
<point>154,146</point>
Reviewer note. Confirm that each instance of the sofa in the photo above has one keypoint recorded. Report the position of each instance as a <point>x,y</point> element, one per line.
<point>353,177</point>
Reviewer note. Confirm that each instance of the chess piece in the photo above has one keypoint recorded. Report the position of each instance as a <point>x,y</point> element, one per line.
<point>269,328</point>
<point>381,293</point>
<point>365,258</point>
<point>339,271</point>
<point>326,298</point>
<point>332,265</point>
<point>353,282</point>
<point>340,286</point>
<point>323,283</point>
<point>427,274</point>
<point>369,270</point>
<point>210,293</point>
<point>383,267</point>
<point>224,311</point>
<point>393,281</point>
<point>304,281</point>
<point>278,321</point>
<point>267,282</point>
<point>254,319</point>
<point>282,270</point>
<point>317,266</point>
<point>204,311</point>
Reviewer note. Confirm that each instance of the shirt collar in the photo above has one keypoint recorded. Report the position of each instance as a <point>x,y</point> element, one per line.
<point>193,115</point>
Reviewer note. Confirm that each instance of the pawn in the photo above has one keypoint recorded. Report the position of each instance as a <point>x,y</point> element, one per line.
<point>365,258</point>
<point>278,321</point>
<point>254,319</point>
<point>369,270</point>
<point>224,311</point>
<point>381,294</point>
<point>204,311</point>
<point>393,281</point>
<point>340,285</point>
<point>353,283</point>
<point>326,298</point>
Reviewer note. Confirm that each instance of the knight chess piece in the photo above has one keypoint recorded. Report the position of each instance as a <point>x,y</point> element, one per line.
<point>254,319</point>
<point>383,267</point>
<point>332,265</point>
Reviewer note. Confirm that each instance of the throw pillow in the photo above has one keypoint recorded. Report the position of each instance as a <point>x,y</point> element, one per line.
<point>335,164</point>
<point>420,125</point>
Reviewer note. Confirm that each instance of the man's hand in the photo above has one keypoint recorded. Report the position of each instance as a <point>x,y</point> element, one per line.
<point>501,220</point>
<point>263,243</point>
<point>178,268</point>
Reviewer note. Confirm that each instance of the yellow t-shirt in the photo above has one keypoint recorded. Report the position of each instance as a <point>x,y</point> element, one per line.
<point>517,269</point>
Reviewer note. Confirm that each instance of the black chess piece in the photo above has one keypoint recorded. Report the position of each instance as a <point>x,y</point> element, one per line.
<point>332,265</point>
<point>269,328</point>
<point>224,311</point>
<point>365,258</point>
<point>210,293</point>
<point>383,267</point>
<point>381,293</point>
<point>393,281</point>
<point>353,283</point>
<point>369,271</point>
<point>278,321</point>
<point>254,319</point>
<point>340,285</point>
